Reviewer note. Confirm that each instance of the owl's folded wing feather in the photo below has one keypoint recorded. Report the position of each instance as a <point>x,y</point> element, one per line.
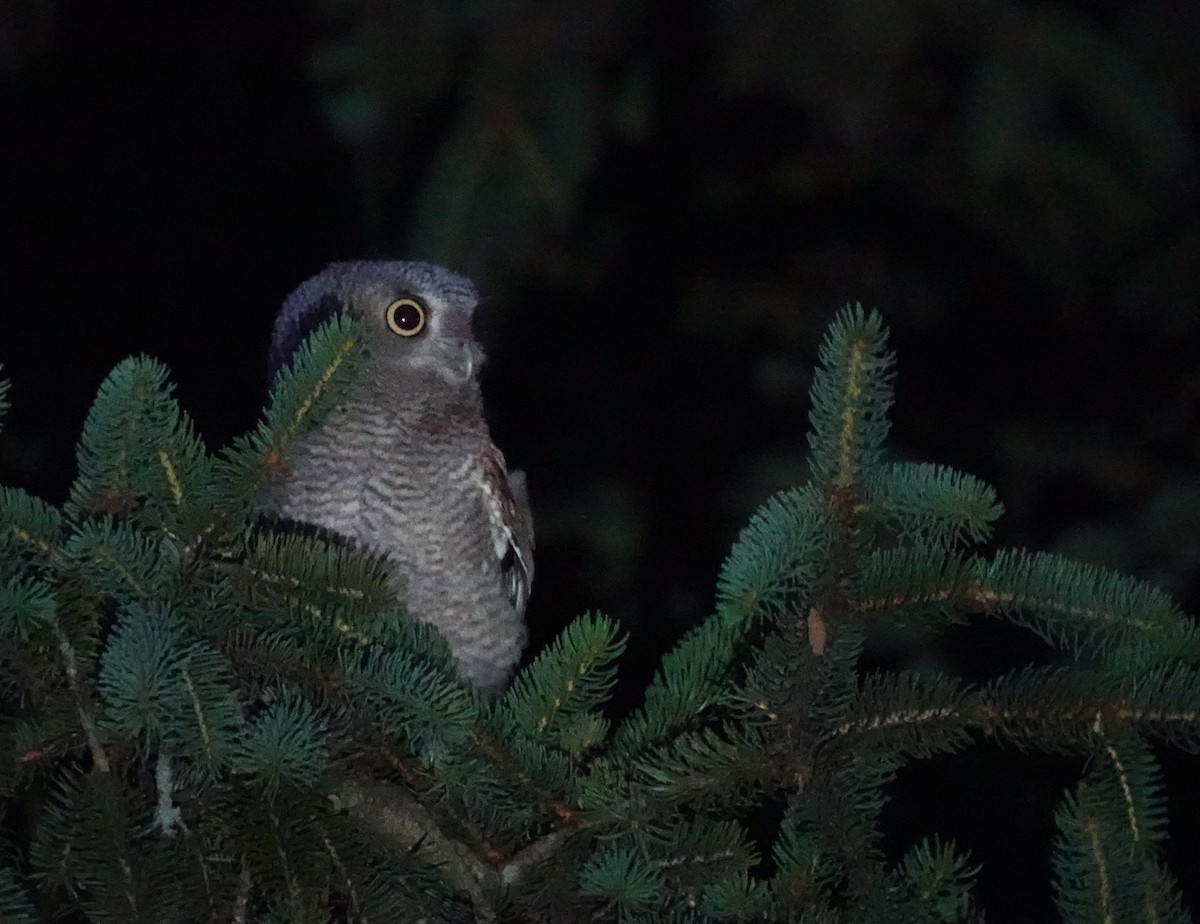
<point>506,500</point>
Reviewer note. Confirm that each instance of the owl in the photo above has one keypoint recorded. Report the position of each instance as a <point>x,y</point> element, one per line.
<point>405,466</point>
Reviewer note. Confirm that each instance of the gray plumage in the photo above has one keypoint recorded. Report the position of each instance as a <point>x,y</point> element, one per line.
<point>405,466</point>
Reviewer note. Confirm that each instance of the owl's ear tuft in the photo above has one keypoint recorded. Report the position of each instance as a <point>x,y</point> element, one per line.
<point>296,322</point>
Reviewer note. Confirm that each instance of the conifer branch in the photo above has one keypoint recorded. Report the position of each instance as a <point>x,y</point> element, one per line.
<point>277,685</point>
<point>851,395</point>
<point>931,504</point>
<point>504,759</point>
<point>167,815</point>
<point>71,668</point>
<point>392,813</point>
<point>302,394</point>
<point>299,417</point>
<point>28,525</point>
<point>569,679</point>
<point>513,871</point>
<point>241,904</point>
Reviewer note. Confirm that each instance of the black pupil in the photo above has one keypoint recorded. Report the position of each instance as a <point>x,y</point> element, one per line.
<point>407,316</point>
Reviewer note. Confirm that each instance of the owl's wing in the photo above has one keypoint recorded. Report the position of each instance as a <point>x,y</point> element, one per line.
<point>507,502</point>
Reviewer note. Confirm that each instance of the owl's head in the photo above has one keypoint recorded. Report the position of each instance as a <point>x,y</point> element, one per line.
<point>418,316</point>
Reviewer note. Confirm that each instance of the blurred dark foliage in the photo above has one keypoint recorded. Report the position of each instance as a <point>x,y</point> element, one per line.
<point>665,203</point>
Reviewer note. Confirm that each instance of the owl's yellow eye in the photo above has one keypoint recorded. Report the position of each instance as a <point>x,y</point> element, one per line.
<point>406,316</point>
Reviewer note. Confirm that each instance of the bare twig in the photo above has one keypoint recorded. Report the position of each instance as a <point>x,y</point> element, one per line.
<point>395,815</point>
<point>71,667</point>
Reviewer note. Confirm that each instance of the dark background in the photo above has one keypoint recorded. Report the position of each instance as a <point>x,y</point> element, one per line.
<point>664,205</point>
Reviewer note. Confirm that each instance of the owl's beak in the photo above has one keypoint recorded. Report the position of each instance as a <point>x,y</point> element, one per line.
<point>459,360</point>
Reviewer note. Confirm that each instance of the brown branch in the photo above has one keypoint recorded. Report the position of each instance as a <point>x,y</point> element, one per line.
<point>71,668</point>
<point>393,814</point>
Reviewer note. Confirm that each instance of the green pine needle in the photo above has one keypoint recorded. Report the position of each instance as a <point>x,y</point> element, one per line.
<point>805,876</point>
<point>709,766</point>
<point>623,877</point>
<point>1061,709</point>
<point>583,734</point>
<point>91,843</point>
<point>165,690</point>
<point>914,583</point>
<point>779,554</point>
<point>120,562</point>
<point>776,558</point>
<point>15,906</point>
<point>693,851</point>
<point>939,880</point>
<point>418,703</point>
<point>1105,857</point>
<point>138,455</point>
<point>26,606</point>
<point>1093,612</point>
<point>29,527</point>
<point>286,746</point>
<point>570,678</point>
<point>851,396</point>
<point>140,674</point>
<point>303,394</point>
<point>912,714</point>
<point>694,679</point>
<point>738,897</point>
<point>1162,703</point>
<point>324,577</point>
<point>933,504</point>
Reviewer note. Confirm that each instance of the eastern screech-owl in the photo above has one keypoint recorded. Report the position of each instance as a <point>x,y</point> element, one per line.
<point>405,466</point>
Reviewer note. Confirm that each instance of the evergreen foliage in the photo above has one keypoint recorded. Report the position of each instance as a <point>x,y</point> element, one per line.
<point>209,717</point>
